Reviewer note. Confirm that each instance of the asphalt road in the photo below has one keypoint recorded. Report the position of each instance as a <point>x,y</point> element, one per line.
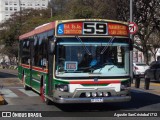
<point>18,99</point>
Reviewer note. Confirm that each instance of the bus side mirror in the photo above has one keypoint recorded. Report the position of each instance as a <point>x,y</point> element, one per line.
<point>52,47</point>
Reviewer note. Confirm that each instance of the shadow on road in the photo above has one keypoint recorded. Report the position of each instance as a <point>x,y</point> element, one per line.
<point>7,75</point>
<point>139,100</point>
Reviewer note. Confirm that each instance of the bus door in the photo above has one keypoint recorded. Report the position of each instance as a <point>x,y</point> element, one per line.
<point>31,59</point>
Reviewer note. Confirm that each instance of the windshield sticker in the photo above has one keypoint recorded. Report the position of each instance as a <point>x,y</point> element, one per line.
<point>71,65</point>
<point>61,29</point>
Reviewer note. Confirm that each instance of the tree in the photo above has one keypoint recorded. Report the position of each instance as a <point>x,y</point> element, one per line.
<point>20,23</point>
<point>145,15</point>
<point>154,42</point>
<point>82,9</point>
<point>123,10</point>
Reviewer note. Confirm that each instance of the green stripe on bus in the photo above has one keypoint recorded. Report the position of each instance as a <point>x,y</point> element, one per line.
<point>94,85</point>
<point>61,82</point>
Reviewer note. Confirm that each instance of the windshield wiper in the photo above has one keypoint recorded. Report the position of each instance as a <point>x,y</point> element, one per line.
<point>110,42</point>
<point>85,48</point>
<point>111,68</point>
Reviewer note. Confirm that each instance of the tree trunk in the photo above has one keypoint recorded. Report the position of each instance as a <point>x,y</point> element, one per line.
<point>146,57</point>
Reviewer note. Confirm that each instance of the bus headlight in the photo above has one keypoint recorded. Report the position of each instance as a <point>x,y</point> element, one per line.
<point>62,87</point>
<point>99,94</point>
<point>88,94</point>
<point>94,94</point>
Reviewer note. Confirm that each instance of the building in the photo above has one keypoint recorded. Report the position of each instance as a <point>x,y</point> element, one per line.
<point>8,7</point>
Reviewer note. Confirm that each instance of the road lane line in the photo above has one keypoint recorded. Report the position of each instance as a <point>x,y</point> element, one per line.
<point>29,92</point>
<point>8,93</point>
<point>18,92</point>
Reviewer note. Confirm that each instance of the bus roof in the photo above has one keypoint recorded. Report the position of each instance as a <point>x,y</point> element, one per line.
<point>98,20</point>
<point>39,29</point>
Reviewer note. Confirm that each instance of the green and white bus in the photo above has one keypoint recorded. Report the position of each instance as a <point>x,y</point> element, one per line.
<point>77,61</point>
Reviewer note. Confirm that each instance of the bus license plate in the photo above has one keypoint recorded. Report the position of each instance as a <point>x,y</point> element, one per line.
<point>97,100</point>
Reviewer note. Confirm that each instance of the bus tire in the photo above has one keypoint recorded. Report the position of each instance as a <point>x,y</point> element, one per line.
<point>42,94</point>
<point>24,84</point>
<point>48,101</point>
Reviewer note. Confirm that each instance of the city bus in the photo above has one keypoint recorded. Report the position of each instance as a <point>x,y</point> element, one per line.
<point>77,61</point>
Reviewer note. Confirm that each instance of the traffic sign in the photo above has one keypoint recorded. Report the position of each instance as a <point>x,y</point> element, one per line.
<point>133,28</point>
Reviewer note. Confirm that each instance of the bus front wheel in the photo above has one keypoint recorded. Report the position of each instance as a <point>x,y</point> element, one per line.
<point>43,97</point>
<point>24,83</point>
<point>42,93</point>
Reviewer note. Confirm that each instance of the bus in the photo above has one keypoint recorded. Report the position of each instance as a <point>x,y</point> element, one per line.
<point>77,61</point>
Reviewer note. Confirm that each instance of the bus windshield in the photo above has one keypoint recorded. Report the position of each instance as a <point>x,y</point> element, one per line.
<point>92,57</point>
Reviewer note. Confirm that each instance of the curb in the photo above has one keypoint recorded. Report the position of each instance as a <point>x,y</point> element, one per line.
<point>2,101</point>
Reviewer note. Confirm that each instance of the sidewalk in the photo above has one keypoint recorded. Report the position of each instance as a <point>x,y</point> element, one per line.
<point>154,88</point>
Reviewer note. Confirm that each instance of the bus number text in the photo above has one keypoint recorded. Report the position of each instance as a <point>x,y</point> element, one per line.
<point>95,28</point>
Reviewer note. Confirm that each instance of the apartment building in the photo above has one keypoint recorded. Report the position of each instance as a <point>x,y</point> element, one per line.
<point>8,7</point>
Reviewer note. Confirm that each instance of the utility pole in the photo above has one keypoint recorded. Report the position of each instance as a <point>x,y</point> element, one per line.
<point>131,37</point>
<point>20,16</point>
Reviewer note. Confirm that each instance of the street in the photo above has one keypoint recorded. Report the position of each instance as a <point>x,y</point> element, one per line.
<point>17,99</point>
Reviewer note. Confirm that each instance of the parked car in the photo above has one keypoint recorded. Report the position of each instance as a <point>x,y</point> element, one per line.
<point>154,71</point>
<point>139,69</point>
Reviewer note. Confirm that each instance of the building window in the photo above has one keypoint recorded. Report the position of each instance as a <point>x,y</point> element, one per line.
<point>37,4</point>
<point>6,8</point>
<point>11,8</point>
<point>29,4</point>
<point>22,4</point>
<point>10,3</point>
<point>6,2</point>
<point>15,3</point>
<point>15,9</point>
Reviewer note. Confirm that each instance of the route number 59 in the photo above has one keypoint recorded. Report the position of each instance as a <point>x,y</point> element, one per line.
<point>94,28</point>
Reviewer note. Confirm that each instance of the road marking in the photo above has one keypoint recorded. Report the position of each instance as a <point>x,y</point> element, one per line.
<point>14,93</point>
<point>8,93</point>
<point>28,92</point>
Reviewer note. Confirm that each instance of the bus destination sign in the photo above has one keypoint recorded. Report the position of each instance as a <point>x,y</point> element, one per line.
<point>92,28</point>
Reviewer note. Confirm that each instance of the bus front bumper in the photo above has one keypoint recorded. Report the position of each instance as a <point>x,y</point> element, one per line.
<point>93,100</point>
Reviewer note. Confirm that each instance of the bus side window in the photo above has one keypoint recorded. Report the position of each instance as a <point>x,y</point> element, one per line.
<point>25,51</point>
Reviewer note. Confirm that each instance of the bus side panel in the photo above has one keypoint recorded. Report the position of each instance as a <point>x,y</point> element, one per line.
<point>20,72</point>
<point>36,79</point>
<point>27,75</point>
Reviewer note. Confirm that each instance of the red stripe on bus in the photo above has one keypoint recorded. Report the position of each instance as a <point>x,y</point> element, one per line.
<point>94,82</point>
<point>40,69</point>
<point>25,66</point>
